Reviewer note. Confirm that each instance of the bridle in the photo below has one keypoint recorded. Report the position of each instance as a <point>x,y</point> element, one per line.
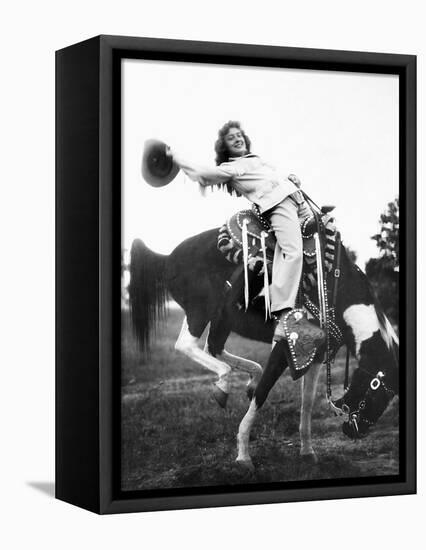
<point>354,416</point>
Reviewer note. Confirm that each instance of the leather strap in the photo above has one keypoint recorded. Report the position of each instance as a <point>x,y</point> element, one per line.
<point>346,382</point>
<point>336,277</point>
<point>336,269</point>
<point>310,201</point>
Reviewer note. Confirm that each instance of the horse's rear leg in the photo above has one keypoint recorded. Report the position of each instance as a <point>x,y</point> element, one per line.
<point>275,367</point>
<point>309,387</point>
<point>187,343</point>
<point>218,334</point>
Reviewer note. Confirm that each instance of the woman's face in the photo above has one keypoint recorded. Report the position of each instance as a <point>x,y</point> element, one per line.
<point>235,142</point>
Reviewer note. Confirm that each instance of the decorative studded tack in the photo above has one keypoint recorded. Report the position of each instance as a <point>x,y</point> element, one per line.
<point>293,337</point>
<point>305,234</point>
<point>335,332</point>
<point>230,244</point>
<point>303,339</point>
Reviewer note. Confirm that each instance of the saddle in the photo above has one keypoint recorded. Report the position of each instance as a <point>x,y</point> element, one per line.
<point>261,242</point>
<point>230,238</point>
<point>246,239</point>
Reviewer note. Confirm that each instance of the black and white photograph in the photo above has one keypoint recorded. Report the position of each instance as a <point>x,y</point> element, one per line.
<point>213,255</point>
<point>260,271</point>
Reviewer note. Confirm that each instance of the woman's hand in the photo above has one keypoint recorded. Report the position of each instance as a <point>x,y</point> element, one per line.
<point>175,157</point>
<point>294,179</point>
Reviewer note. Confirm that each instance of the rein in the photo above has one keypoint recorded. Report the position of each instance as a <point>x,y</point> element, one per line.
<point>336,278</point>
<point>327,313</point>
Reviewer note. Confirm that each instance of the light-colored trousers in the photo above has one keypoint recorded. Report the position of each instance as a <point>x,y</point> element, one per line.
<point>288,255</point>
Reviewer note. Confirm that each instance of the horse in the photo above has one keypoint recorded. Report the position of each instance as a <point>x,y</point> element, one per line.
<point>196,275</point>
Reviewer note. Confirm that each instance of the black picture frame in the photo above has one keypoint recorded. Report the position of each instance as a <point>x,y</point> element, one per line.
<point>88,217</point>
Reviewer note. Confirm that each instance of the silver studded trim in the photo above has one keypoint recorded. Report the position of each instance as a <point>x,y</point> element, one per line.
<point>292,338</point>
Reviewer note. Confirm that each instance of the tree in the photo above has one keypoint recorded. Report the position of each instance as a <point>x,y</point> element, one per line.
<point>383,272</point>
<point>352,255</point>
<point>388,238</point>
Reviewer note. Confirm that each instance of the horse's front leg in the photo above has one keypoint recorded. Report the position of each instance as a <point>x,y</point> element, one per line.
<point>309,387</point>
<point>253,369</point>
<point>276,365</point>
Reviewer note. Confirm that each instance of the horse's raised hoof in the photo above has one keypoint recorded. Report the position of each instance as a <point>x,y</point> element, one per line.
<point>220,396</point>
<point>310,459</point>
<point>245,464</point>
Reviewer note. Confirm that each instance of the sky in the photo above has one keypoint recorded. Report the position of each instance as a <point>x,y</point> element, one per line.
<point>338,132</point>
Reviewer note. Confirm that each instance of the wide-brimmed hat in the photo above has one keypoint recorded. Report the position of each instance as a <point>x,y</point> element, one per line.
<point>158,168</point>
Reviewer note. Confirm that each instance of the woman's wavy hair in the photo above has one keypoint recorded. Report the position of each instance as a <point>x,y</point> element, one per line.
<point>222,152</point>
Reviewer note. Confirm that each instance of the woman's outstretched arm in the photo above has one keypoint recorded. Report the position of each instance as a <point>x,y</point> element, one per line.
<point>205,175</point>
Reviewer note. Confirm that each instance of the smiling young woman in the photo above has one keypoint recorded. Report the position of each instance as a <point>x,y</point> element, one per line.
<point>277,198</point>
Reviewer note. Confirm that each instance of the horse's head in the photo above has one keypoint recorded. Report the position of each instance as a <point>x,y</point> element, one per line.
<point>364,402</point>
<point>374,383</point>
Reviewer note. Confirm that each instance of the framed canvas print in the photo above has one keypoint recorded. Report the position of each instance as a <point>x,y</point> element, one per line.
<point>235,274</point>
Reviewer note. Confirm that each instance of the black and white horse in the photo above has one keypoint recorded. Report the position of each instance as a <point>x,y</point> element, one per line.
<point>195,275</point>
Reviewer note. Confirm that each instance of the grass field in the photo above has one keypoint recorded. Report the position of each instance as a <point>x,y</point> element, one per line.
<point>175,435</point>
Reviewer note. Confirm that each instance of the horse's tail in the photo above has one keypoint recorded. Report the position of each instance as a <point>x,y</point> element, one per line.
<point>147,291</point>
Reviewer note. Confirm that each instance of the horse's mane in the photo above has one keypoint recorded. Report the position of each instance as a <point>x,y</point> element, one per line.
<point>386,330</point>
